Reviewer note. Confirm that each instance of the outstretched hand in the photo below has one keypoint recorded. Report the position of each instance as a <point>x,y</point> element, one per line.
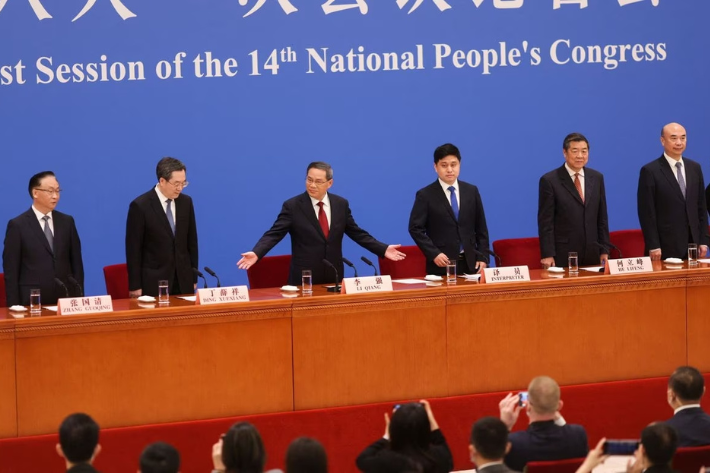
<point>393,254</point>
<point>248,260</point>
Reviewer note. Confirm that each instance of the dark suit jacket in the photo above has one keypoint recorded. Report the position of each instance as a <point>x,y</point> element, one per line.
<point>659,469</point>
<point>378,458</point>
<point>693,426</point>
<point>668,221</point>
<point>82,468</point>
<point>308,244</point>
<point>545,441</point>
<point>565,223</point>
<point>495,469</point>
<point>153,252</point>
<point>29,262</point>
<point>435,230</point>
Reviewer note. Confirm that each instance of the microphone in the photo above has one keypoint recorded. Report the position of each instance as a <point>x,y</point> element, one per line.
<point>199,274</point>
<point>369,263</point>
<point>213,274</point>
<point>76,284</point>
<point>347,261</point>
<point>610,247</point>
<point>63,286</point>
<point>488,252</point>
<point>336,288</point>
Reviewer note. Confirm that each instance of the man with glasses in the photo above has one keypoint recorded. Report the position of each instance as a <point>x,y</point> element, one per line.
<point>316,221</point>
<point>41,246</point>
<point>161,235</point>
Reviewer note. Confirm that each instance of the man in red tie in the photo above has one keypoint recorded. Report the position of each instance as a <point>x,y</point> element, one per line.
<point>317,221</point>
<point>571,213</point>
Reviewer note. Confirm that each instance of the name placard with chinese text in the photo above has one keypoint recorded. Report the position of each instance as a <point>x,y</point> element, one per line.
<point>506,274</point>
<point>222,295</point>
<point>367,284</point>
<point>630,265</point>
<point>84,305</point>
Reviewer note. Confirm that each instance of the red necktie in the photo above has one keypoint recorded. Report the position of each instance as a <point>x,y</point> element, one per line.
<point>323,220</point>
<point>578,185</point>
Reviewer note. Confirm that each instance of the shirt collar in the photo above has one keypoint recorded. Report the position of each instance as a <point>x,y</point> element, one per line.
<point>671,162</point>
<point>40,214</point>
<point>687,406</point>
<point>162,198</point>
<point>446,186</point>
<point>479,468</point>
<point>573,172</point>
<point>326,201</point>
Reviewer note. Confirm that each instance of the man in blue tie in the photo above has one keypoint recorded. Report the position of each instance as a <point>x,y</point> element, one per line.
<point>447,221</point>
<point>161,235</point>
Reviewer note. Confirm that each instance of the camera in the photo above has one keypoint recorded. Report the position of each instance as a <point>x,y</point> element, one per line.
<point>620,447</point>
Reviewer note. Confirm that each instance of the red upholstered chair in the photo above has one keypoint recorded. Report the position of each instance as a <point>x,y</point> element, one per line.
<point>558,466</point>
<point>414,265</point>
<point>518,252</point>
<point>690,459</point>
<point>116,277</point>
<point>630,242</point>
<point>3,296</point>
<point>270,271</point>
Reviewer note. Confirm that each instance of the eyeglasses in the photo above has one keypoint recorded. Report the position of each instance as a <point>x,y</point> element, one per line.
<point>317,183</point>
<point>178,185</point>
<point>50,192</point>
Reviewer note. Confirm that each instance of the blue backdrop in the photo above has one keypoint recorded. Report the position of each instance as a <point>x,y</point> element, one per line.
<point>69,104</point>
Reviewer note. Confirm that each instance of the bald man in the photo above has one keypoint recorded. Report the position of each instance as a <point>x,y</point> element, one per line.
<point>548,437</point>
<point>671,201</point>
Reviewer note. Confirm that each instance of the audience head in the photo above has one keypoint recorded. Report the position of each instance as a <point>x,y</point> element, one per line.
<point>410,428</point>
<point>658,444</point>
<point>306,455</point>
<point>685,386</point>
<point>489,441</point>
<point>159,457</point>
<point>243,450</point>
<point>543,399</point>
<point>78,439</point>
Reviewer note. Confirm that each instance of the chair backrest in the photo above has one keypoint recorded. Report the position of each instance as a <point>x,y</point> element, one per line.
<point>270,271</point>
<point>3,295</point>
<point>414,265</point>
<point>116,277</point>
<point>557,466</point>
<point>690,459</point>
<point>519,252</point>
<point>630,242</point>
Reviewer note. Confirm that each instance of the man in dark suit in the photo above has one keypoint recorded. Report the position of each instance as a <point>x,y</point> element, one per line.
<point>161,235</point>
<point>79,443</point>
<point>671,205</point>
<point>686,387</point>
<point>447,221</point>
<point>41,246</point>
<point>488,445</point>
<point>317,221</point>
<point>548,437</point>
<point>571,213</point>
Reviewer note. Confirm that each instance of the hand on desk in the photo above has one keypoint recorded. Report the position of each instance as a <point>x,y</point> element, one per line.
<point>393,254</point>
<point>603,259</point>
<point>481,266</point>
<point>702,251</point>
<point>547,262</point>
<point>136,293</point>
<point>441,260</point>
<point>655,254</point>
<point>248,260</point>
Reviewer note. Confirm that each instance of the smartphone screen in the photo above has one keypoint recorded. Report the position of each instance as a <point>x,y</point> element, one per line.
<point>523,397</point>
<point>620,447</point>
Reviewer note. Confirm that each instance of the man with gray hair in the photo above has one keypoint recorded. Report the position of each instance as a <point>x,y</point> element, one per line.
<point>161,235</point>
<point>548,437</point>
<point>317,221</point>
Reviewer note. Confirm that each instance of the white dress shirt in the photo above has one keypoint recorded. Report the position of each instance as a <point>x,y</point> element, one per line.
<point>326,207</point>
<point>40,215</point>
<point>672,162</point>
<point>687,406</point>
<point>164,203</point>
<point>446,186</point>
<point>581,178</point>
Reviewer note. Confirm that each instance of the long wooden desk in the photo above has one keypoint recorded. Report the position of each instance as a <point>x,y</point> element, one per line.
<point>279,352</point>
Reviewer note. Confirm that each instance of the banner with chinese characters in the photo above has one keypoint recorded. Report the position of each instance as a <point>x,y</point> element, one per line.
<point>222,295</point>
<point>630,265</point>
<point>367,284</point>
<point>84,305</point>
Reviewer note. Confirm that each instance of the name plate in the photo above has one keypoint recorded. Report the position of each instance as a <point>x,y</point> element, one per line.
<point>630,265</point>
<point>506,274</point>
<point>222,295</point>
<point>84,305</point>
<point>367,284</point>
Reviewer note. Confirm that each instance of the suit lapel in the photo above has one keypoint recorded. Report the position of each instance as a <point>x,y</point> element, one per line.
<point>443,200</point>
<point>310,213</point>
<point>568,183</point>
<point>38,230</point>
<point>160,214</point>
<point>670,176</point>
<point>690,181</point>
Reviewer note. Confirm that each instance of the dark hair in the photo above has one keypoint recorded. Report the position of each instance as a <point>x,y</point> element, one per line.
<point>243,450</point>
<point>687,383</point>
<point>659,441</point>
<point>571,138</point>
<point>160,457</point>
<point>78,437</point>
<point>446,150</point>
<point>323,167</point>
<point>489,436</point>
<point>167,166</point>
<point>306,455</point>
<point>36,180</point>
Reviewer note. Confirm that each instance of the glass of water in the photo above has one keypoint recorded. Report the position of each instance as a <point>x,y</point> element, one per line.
<point>163,294</point>
<point>35,302</point>
<point>306,281</point>
<point>692,254</point>
<point>573,262</point>
<point>451,273</point>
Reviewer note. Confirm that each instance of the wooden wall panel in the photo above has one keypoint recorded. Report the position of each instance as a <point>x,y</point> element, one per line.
<point>699,318</point>
<point>8,399</point>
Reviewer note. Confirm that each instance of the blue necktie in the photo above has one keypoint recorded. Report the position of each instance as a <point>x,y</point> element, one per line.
<point>454,202</point>
<point>681,181</point>
<point>169,213</point>
<point>48,232</point>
